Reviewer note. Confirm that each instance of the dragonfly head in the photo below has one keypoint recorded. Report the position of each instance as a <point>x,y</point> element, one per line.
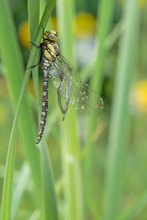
<point>50,35</point>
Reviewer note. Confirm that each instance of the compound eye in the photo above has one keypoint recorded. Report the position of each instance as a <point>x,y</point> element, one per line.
<point>52,37</point>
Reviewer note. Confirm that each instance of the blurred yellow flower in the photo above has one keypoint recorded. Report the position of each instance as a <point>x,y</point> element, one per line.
<point>53,22</point>
<point>24,34</point>
<point>139,96</point>
<point>84,24</point>
<point>142,3</point>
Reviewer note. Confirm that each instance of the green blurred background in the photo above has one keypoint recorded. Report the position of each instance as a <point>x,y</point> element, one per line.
<point>97,162</point>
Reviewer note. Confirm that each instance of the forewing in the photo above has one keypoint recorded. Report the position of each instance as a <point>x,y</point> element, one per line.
<point>80,96</point>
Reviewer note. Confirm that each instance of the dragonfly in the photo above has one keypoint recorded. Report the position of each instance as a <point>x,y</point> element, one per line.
<point>71,90</point>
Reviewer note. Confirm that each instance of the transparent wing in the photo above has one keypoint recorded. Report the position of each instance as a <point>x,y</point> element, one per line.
<point>62,82</point>
<point>71,88</point>
<point>80,96</point>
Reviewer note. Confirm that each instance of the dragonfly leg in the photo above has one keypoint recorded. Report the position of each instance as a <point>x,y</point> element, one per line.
<point>40,59</point>
<point>35,45</point>
<point>37,64</point>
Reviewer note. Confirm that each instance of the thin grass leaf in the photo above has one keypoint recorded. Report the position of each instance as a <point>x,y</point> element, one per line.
<point>35,215</point>
<point>114,35</point>
<point>68,129</point>
<point>104,22</point>
<point>20,188</point>
<point>118,122</point>
<point>33,17</point>
<point>65,13</point>
<point>49,201</point>
<point>105,13</point>
<point>7,185</point>
<point>109,43</point>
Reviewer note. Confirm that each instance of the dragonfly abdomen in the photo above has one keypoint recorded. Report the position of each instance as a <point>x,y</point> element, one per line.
<point>44,101</point>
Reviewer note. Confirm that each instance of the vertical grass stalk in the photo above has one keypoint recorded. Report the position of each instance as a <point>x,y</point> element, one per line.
<point>33,18</point>
<point>49,201</point>
<point>117,130</point>
<point>105,13</point>
<point>68,136</point>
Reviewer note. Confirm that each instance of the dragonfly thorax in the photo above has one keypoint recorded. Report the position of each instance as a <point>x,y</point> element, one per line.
<point>50,51</point>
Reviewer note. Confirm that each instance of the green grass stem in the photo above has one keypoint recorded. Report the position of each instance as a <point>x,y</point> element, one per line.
<point>49,201</point>
<point>19,188</point>
<point>68,135</point>
<point>33,17</point>
<point>105,13</point>
<point>117,129</point>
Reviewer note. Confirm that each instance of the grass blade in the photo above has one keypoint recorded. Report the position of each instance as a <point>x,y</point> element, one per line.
<point>33,15</point>
<point>7,185</point>
<point>117,130</point>
<point>105,13</point>
<point>68,135</point>
<point>104,22</point>
<point>20,188</point>
<point>49,202</point>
